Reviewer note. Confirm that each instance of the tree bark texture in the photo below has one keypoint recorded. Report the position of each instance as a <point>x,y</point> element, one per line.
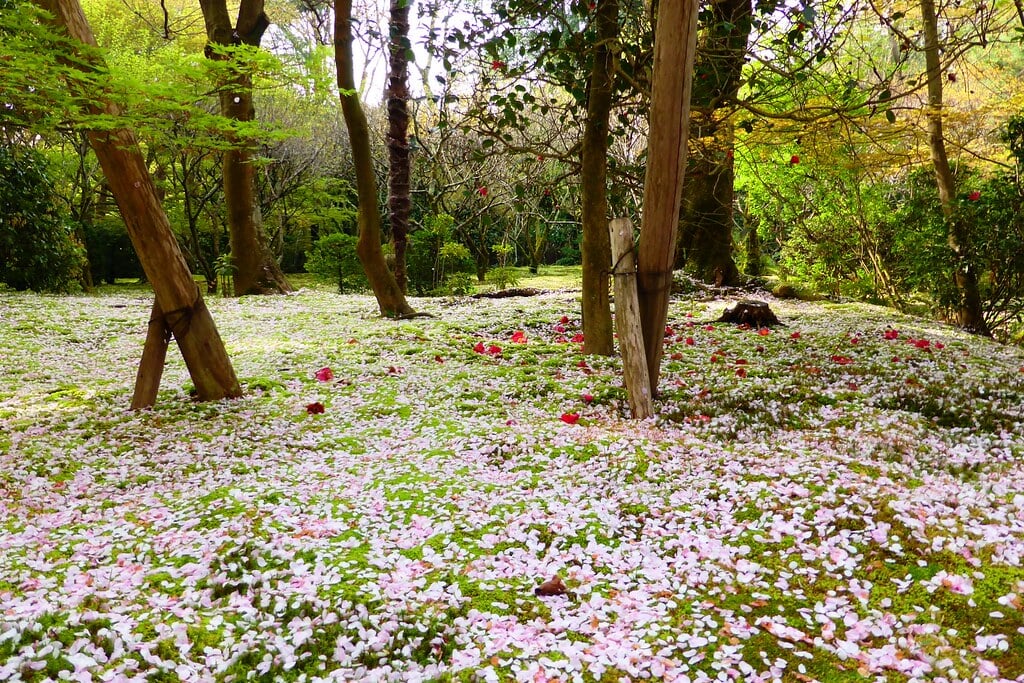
<point>256,269</point>
<point>970,315</point>
<point>674,46</point>
<point>596,247</point>
<point>706,222</point>
<point>397,96</point>
<point>390,298</point>
<point>627,320</point>
<point>178,298</point>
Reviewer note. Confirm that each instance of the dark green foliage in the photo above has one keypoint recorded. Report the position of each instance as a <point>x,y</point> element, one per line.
<point>37,248</point>
<point>111,254</point>
<point>333,258</point>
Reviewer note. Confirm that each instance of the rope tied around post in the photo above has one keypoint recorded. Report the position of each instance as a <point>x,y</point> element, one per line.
<point>179,321</point>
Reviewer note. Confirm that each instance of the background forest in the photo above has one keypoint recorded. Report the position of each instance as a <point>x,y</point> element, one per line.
<point>811,154</point>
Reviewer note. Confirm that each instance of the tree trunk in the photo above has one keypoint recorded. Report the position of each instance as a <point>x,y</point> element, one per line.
<point>390,298</point>
<point>970,315</point>
<point>596,247</point>
<point>674,46</point>
<point>177,295</point>
<point>397,96</point>
<point>256,269</point>
<point>706,221</point>
<point>706,224</point>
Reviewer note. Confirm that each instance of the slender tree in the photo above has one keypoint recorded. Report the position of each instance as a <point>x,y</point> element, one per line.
<point>179,308</point>
<point>970,315</point>
<point>256,269</point>
<point>390,298</point>
<point>399,161</point>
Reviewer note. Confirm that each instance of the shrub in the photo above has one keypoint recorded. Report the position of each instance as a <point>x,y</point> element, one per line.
<point>333,258</point>
<point>38,250</point>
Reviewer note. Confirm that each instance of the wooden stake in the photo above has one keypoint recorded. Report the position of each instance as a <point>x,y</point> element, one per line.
<point>151,367</point>
<point>627,320</point>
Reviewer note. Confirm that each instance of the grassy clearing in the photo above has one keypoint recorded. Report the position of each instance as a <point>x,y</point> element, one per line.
<point>839,499</point>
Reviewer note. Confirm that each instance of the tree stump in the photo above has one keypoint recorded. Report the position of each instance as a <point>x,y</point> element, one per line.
<point>753,313</point>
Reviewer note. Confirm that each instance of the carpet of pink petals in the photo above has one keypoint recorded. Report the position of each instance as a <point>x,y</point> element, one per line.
<point>839,499</point>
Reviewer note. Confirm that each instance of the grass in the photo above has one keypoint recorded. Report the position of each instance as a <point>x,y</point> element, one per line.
<point>835,500</point>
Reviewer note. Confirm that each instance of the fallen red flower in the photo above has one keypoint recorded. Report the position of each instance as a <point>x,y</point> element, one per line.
<point>570,418</point>
<point>494,350</point>
<point>842,360</point>
<point>479,348</point>
<point>518,337</point>
<point>315,408</point>
<point>577,339</point>
<point>324,375</point>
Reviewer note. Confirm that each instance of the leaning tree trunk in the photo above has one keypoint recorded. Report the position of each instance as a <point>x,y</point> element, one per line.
<point>256,269</point>
<point>390,298</point>
<point>596,248</point>
<point>970,315</point>
<point>179,307</point>
<point>666,164</point>
<point>397,96</point>
<point>706,221</point>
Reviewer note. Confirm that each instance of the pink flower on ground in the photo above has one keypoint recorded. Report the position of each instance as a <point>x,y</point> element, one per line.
<point>324,374</point>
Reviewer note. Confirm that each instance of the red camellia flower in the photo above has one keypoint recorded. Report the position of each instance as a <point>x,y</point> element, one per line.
<point>764,331</point>
<point>497,65</point>
<point>324,375</point>
<point>587,398</point>
<point>689,341</point>
<point>577,339</point>
<point>570,418</point>
<point>494,350</point>
<point>891,334</point>
<point>518,337</point>
<point>564,320</point>
<point>482,191</point>
<point>795,335</point>
<point>315,408</point>
<point>842,360</point>
<point>974,196</point>
<point>583,364</point>
<point>794,160</point>
<point>479,348</point>
<point>741,372</point>
<point>676,356</point>
<point>669,331</point>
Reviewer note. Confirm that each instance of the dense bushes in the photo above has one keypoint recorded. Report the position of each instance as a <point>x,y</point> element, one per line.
<point>38,249</point>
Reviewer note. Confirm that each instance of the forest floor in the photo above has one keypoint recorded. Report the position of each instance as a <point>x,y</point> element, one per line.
<point>838,499</point>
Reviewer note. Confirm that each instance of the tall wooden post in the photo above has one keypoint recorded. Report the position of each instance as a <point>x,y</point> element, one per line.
<point>178,299</point>
<point>675,43</point>
<point>627,320</point>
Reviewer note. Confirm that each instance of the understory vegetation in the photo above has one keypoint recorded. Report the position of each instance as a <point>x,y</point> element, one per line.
<point>835,499</point>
